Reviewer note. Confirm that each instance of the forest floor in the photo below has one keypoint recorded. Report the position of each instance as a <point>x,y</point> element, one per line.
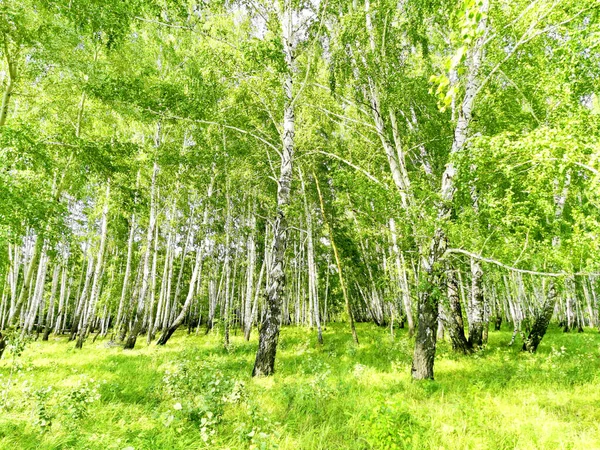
<point>195,394</point>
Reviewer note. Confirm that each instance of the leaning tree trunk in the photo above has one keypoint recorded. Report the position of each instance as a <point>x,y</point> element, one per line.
<point>541,322</point>
<point>312,269</point>
<point>26,283</point>
<point>166,334</point>
<point>338,262</point>
<point>178,283</point>
<point>38,293</point>
<point>196,272</point>
<point>454,318</point>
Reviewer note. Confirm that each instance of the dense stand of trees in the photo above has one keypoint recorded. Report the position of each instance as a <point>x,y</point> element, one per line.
<point>237,166</point>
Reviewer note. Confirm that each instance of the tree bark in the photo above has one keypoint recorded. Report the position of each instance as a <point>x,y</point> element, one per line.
<point>425,342</point>
<point>94,293</point>
<point>251,249</point>
<point>26,283</point>
<point>401,271</point>
<point>166,334</point>
<point>38,292</point>
<point>137,319</point>
<point>127,275</point>
<point>541,322</point>
<point>310,260</point>
<point>427,310</point>
<point>50,314</point>
<point>454,317</point>
<point>264,364</point>
<point>12,77</point>
<point>477,320</point>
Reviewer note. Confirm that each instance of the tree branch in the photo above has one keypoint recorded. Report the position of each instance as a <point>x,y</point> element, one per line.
<point>514,269</point>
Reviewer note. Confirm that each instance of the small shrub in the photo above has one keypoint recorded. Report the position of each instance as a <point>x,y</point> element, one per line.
<point>79,399</point>
<point>387,427</point>
<point>43,414</point>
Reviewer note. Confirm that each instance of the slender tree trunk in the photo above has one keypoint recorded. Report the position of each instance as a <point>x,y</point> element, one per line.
<point>15,267</point>
<point>167,304</point>
<point>38,293</point>
<point>180,274</point>
<point>251,247</point>
<point>310,260</point>
<point>62,299</point>
<point>312,276</point>
<point>26,283</point>
<point>338,263</point>
<point>541,322</point>
<point>2,344</point>
<point>571,305</point>
<point>401,271</point>
<point>593,314</point>
<point>454,317</point>
<point>227,269</point>
<point>127,275</point>
<point>94,293</point>
<point>12,77</point>
<point>212,303</point>
<point>50,314</point>
<point>5,294</point>
<point>163,286</point>
<point>82,295</point>
<point>477,320</point>
<point>139,311</point>
<point>196,273</point>
<point>166,334</point>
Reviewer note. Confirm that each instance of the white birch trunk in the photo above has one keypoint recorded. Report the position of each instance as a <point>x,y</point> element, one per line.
<point>95,291</point>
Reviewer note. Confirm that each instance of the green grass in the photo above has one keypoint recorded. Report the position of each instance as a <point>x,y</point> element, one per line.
<point>195,394</point>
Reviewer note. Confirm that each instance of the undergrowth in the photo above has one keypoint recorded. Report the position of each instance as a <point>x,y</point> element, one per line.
<point>193,393</point>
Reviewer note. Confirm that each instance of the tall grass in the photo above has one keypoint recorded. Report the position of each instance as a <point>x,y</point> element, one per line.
<point>193,393</point>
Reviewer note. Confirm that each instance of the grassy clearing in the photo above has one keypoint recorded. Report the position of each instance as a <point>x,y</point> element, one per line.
<point>195,394</point>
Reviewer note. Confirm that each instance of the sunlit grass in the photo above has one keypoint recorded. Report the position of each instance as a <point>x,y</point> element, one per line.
<point>334,396</point>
